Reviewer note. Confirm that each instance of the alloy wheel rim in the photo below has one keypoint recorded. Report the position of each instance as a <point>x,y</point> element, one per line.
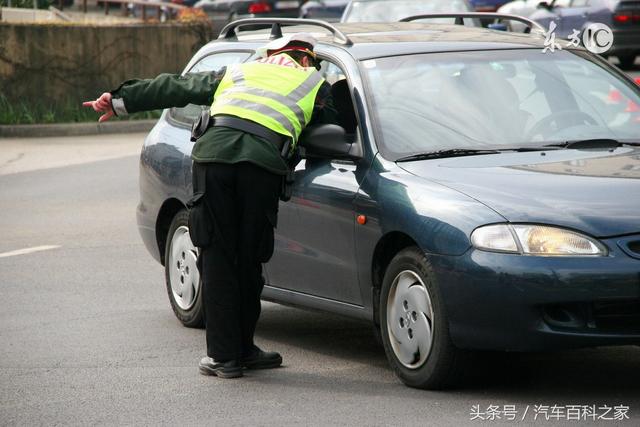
<point>410,319</point>
<point>184,276</point>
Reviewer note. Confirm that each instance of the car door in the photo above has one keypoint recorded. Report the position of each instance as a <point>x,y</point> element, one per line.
<point>545,16</point>
<point>315,251</point>
<point>599,11</point>
<point>573,18</point>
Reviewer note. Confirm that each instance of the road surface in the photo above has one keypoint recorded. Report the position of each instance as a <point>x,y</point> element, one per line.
<point>88,337</point>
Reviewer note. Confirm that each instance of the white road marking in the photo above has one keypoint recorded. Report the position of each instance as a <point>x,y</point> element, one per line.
<point>28,250</point>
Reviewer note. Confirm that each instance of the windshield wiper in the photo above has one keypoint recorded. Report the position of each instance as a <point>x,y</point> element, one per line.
<point>591,143</point>
<point>459,152</point>
<point>439,154</point>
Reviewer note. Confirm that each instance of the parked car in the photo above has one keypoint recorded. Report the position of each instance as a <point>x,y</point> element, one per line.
<point>623,16</point>
<point>525,8</point>
<point>189,3</point>
<point>487,5</point>
<point>328,10</point>
<point>478,195</point>
<point>222,12</point>
<point>394,10</point>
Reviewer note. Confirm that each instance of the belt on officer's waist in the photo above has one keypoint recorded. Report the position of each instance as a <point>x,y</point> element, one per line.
<point>253,128</point>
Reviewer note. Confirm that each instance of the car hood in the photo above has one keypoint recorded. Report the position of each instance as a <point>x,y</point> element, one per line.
<point>595,191</point>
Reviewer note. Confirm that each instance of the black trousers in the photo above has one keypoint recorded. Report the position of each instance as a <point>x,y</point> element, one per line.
<point>243,199</point>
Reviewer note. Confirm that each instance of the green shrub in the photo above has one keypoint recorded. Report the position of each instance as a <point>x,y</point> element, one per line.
<point>42,4</point>
<point>14,113</point>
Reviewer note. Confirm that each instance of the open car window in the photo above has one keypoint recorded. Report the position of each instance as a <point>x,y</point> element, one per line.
<point>342,100</point>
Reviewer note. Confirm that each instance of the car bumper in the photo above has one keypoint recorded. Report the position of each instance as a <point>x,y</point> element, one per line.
<point>523,303</point>
<point>626,42</point>
<point>147,229</point>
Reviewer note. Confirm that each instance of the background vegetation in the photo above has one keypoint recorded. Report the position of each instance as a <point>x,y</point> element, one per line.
<point>47,70</point>
<point>23,113</point>
<point>42,4</point>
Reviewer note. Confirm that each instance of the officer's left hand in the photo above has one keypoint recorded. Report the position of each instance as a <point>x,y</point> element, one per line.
<point>101,105</point>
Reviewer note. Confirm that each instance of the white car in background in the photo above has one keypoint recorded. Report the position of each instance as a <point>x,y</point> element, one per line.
<point>394,10</point>
<point>525,8</point>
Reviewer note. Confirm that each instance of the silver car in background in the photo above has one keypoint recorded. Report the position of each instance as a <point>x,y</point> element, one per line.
<point>395,10</point>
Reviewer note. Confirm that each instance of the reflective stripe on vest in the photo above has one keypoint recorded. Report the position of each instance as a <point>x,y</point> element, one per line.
<point>278,97</point>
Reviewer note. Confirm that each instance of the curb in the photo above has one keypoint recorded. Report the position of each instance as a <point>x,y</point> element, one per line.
<point>75,129</point>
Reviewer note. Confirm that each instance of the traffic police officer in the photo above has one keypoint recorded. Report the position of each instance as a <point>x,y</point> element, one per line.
<point>258,110</point>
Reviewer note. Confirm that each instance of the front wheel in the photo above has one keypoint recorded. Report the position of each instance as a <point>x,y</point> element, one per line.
<point>414,324</point>
<point>181,273</point>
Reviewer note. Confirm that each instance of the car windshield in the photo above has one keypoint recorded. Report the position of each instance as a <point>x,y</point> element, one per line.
<point>493,99</point>
<point>394,10</point>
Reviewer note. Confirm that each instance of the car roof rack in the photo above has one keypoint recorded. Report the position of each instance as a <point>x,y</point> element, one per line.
<point>459,18</point>
<point>229,31</point>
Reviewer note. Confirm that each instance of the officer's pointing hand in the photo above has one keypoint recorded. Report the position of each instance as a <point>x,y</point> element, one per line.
<point>101,105</point>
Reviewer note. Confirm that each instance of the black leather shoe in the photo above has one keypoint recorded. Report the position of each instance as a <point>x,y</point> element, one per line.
<point>230,369</point>
<point>259,359</point>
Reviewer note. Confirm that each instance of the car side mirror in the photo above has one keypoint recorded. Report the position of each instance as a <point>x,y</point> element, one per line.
<point>328,141</point>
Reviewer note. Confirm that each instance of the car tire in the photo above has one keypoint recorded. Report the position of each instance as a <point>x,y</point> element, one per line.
<point>181,273</point>
<point>414,325</point>
<point>627,61</point>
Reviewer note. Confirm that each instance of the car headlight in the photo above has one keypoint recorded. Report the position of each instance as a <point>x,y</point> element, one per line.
<point>535,240</point>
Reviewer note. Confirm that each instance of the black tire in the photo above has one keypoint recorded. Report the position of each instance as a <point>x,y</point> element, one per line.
<point>627,61</point>
<point>191,316</point>
<point>445,364</point>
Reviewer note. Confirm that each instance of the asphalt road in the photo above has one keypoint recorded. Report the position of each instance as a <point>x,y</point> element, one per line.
<point>87,335</point>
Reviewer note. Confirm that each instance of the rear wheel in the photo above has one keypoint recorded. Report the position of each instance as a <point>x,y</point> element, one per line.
<point>181,273</point>
<point>414,325</point>
<point>627,61</point>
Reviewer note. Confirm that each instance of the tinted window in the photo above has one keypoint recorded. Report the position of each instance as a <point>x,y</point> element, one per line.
<point>213,62</point>
<point>499,98</point>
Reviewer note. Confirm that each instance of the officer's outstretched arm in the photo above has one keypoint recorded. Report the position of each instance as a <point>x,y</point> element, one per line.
<point>164,91</point>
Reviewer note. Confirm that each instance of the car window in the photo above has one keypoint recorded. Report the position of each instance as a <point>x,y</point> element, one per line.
<point>331,72</point>
<point>186,115</point>
<point>503,99</point>
<point>342,100</point>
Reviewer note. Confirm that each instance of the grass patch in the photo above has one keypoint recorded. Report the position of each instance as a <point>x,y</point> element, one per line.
<point>23,113</point>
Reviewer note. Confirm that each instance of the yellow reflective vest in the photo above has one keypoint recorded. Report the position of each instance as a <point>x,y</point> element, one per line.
<point>278,97</point>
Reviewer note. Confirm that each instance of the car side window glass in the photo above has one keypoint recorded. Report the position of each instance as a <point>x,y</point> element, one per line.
<point>188,114</point>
